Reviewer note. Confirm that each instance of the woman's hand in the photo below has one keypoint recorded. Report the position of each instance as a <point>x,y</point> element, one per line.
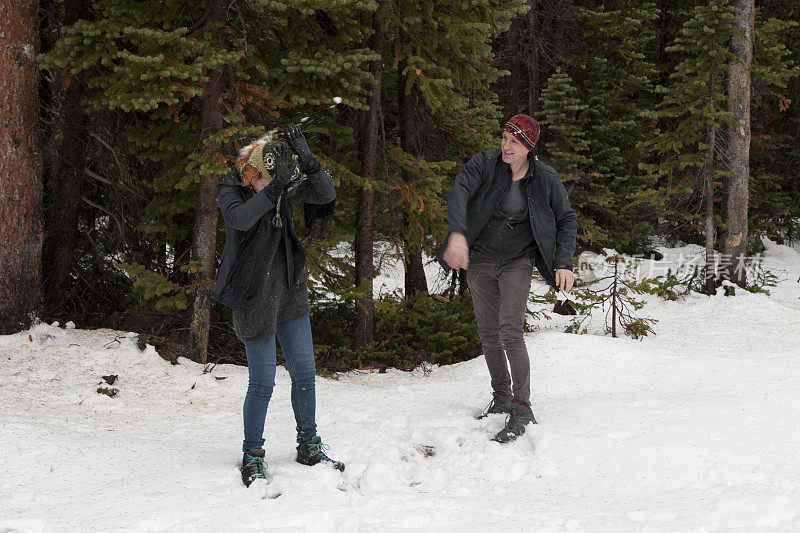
<point>283,174</point>
<point>297,142</point>
<point>260,183</point>
<point>457,253</point>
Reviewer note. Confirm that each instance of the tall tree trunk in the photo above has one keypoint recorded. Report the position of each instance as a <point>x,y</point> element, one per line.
<point>710,281</point>
<point>20,167</point>
<point>415,280</point>
<point>204,236</point>
<point>365,310</point>
<point>61,226</point>
<point>512,51</point>
<point>736,194</point>
<point>534,58</point>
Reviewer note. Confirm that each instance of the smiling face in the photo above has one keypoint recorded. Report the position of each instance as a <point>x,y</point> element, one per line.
<point>514,152</point>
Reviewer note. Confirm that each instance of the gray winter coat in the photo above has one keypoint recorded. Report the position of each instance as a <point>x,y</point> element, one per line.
<point>241,208</point>
<point>479,187</point>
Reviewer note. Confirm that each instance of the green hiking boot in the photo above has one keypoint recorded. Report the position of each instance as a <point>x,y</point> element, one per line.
<point>253,466</point>
<point>312,451</point>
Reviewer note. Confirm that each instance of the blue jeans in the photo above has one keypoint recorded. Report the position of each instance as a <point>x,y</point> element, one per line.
<point>298,350</point>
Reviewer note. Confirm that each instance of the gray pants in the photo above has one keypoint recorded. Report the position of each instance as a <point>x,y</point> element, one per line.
<point>500,296</point>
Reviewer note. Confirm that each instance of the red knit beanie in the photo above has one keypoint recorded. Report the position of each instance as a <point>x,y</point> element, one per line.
<point>524,128</point>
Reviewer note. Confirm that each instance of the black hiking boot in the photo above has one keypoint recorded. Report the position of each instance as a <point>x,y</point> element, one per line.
<point>519,417</point>
<point>253,466</point>
<point>501,403</point>
<point>312,451</point>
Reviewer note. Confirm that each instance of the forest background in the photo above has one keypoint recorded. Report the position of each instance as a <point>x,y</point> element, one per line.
<point>121,115</point>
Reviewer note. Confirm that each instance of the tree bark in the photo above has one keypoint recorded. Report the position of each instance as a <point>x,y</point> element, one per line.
<point>512,52</point>
<point>61,227</point>
<point>204,235</point>
<point>736,195</point>
<point>711,277</point>
<point>20,168</point>
<point>415,280</point>
<point>365,214</point>
<point>534,59</point>
<point>710,281</point>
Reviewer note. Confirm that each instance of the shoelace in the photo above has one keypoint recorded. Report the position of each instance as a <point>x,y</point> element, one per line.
<point>257,464</point>
<point>510,417</point>
<point>485,412</point>
<point>319,449</point>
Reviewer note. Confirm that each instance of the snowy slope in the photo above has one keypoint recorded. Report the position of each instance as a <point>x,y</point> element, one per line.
<point>694,429</point>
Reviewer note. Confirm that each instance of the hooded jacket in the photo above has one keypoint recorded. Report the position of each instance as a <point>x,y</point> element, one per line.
<point>480,185</point>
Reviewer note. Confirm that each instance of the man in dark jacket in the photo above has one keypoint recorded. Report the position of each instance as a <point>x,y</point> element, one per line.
<point>508,212</point>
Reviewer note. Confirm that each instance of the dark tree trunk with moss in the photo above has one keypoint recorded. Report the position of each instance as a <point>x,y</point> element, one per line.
<point>204,236</point>
<point>415,280</point>
<point>20,167</point>
<point>736,194</point>
<point>61,226</point>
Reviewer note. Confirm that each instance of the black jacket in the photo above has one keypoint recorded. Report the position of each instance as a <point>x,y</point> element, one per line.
<point>242,208</point>
<point>479,187</point>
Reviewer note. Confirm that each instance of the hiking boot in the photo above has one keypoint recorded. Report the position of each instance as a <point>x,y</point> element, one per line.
<point>253,466</point>
<point>519,417</point>
<point>501,403</point>
<point>311,452</point>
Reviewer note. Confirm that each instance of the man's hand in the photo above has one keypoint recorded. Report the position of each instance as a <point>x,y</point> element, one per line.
<point>564,279</point>
<point>457,253</point>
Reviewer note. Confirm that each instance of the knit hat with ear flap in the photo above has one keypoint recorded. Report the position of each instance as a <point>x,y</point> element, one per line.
<point>262,157</point>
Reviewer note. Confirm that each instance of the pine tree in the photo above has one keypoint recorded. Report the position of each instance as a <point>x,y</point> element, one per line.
<point>568,149</point>
<point>774,207</point>
<point>445,69</point>
<point>156,66</point>
<point>693,114</point>
<point>616,75</point>
<point>61,223</point>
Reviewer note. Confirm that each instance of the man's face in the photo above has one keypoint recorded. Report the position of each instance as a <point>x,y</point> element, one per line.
<point>514,152</point>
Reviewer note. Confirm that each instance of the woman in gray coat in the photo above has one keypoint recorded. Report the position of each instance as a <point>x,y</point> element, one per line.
<point>262,279</point>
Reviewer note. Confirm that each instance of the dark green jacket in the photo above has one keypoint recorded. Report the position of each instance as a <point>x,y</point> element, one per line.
<point>241,208</point>
<point>479,187</point>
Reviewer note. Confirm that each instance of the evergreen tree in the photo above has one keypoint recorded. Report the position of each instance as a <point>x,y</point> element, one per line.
<point>693,110</point>
<point>774,207</point>
<point>616,78</point>
<point>155,67</point>
<point>568,149</point>
<point>445,71</point>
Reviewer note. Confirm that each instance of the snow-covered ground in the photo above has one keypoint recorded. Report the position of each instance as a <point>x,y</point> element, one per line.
<point>694,429</point>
